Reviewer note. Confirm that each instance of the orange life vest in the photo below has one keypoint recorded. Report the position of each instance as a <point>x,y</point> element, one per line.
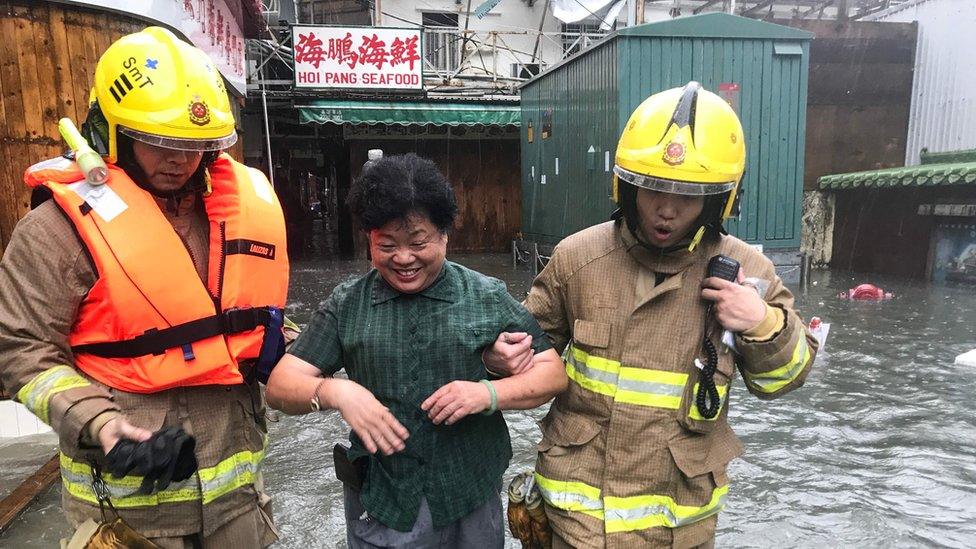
<point>149,323</point>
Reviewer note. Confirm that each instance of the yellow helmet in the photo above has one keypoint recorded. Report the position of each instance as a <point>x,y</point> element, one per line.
<point>158,89</point>
<point>685,141</point>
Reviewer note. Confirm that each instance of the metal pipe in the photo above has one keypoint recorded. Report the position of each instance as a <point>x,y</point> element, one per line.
<point>494,58</point>
<point>535,259</point>
<point>538,37</point>
<point>267,131</point>
<point>804,271</point>
<point>514,254</point>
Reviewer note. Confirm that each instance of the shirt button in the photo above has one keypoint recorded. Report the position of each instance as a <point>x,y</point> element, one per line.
<point>413,329</point>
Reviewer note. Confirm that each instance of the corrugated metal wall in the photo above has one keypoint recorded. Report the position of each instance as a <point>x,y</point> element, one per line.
<point>566,186</point>
<point>593,95</point>
<point>943,113</point>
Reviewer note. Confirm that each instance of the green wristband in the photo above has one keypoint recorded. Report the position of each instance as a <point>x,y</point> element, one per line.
<point>494,398</point>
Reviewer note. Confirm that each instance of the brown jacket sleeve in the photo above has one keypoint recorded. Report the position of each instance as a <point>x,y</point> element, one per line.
<point>547,302</point>
<point>775,366</point>
<point>44,276</point>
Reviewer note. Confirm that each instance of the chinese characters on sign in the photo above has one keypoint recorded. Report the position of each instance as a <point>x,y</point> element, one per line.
<point>217,33</point>
<point>362,57</point>
<point>214,26</point>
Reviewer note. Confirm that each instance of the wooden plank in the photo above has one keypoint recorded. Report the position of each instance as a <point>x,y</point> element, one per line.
<point>13,505</point>
<point>81,61</point>
<point>27,66</point>
<point>13,147</point>
<point>6,180</point>
<point>45,138</point>
<point>101,32</point>
<point>66,94</point>
<point>40,28</point>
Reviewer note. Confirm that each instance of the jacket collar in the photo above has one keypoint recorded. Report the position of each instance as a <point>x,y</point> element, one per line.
<point>444,287</point>
<point>655,260</point>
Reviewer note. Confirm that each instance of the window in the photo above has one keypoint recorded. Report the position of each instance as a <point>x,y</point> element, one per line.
<point>579,36</point>
<point>442,42</point>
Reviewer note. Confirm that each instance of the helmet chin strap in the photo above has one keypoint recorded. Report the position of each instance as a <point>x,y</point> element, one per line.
<point>634,226</point>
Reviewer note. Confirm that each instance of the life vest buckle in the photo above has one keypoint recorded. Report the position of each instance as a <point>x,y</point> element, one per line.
<point>235,321</point>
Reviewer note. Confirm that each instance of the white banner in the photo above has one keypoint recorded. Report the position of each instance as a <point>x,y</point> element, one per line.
<point>358,58</point>
<point>214,26</point>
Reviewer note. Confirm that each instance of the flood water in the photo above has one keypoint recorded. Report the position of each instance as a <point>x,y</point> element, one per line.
<point>878,449</point>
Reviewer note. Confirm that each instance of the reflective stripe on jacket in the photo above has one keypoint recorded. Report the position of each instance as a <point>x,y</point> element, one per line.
<point>625,459</point>
<point>206,485</point>
<point>143,263</point>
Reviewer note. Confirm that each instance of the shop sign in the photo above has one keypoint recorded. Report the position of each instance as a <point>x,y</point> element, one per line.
<point>211,25</point>
<point>358,58</point>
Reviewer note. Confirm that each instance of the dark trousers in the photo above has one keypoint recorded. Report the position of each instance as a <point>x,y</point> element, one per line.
<point>482,528</point>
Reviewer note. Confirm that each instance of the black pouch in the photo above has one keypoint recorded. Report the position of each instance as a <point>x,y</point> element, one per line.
<point>350,473</point>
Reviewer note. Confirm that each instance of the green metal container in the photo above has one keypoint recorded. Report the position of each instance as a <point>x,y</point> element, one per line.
<point>573,113</point>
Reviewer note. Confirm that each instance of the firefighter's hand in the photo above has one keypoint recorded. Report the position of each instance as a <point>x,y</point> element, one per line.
<point>372,422</point>
<point>119,428</point>
<point>456,400</point>
<point>511,354</point>
<point>737,308</point>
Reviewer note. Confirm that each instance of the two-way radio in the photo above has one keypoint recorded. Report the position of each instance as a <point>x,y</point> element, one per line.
<point>707,400</point>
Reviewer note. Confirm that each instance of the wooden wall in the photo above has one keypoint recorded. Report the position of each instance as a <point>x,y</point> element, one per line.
<point>486,178</point>
<point>880,231</point>
<point>48,53</point>
<point>860,91</point>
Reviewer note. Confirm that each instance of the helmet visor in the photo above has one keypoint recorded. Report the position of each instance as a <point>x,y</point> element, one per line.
<point>181,144</point>
<point>671,186</point>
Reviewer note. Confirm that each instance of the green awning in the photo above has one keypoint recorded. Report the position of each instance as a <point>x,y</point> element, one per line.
<point>960,173</point>
<point>408,113</point>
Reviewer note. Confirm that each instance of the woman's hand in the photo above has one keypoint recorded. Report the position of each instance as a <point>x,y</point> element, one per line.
<point>370,420</point>
<point>454,401</point>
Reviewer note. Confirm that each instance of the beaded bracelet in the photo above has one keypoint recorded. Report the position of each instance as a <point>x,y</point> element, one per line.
<point>494,398</point>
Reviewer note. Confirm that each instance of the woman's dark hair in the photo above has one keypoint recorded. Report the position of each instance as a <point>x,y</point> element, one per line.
<point>396,186</point>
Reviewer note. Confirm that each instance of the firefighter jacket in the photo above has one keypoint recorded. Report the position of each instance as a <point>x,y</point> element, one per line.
<point>159,315</point>
<point>625,458</point>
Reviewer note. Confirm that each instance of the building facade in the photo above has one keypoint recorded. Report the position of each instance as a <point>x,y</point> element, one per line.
<point>944,91</point>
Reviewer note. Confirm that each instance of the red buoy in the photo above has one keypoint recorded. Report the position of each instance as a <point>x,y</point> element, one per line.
<point>866,292</point>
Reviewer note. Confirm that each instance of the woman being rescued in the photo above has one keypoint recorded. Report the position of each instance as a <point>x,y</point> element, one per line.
<point>429,443</point>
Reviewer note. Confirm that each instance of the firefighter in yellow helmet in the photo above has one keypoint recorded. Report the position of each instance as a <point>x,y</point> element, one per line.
<point>138,315</point>
<point>634,453</point>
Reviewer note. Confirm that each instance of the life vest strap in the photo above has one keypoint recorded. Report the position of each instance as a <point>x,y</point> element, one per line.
<point>157,342</point>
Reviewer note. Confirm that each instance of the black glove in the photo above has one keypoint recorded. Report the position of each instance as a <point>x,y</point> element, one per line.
<point>167,456</point>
